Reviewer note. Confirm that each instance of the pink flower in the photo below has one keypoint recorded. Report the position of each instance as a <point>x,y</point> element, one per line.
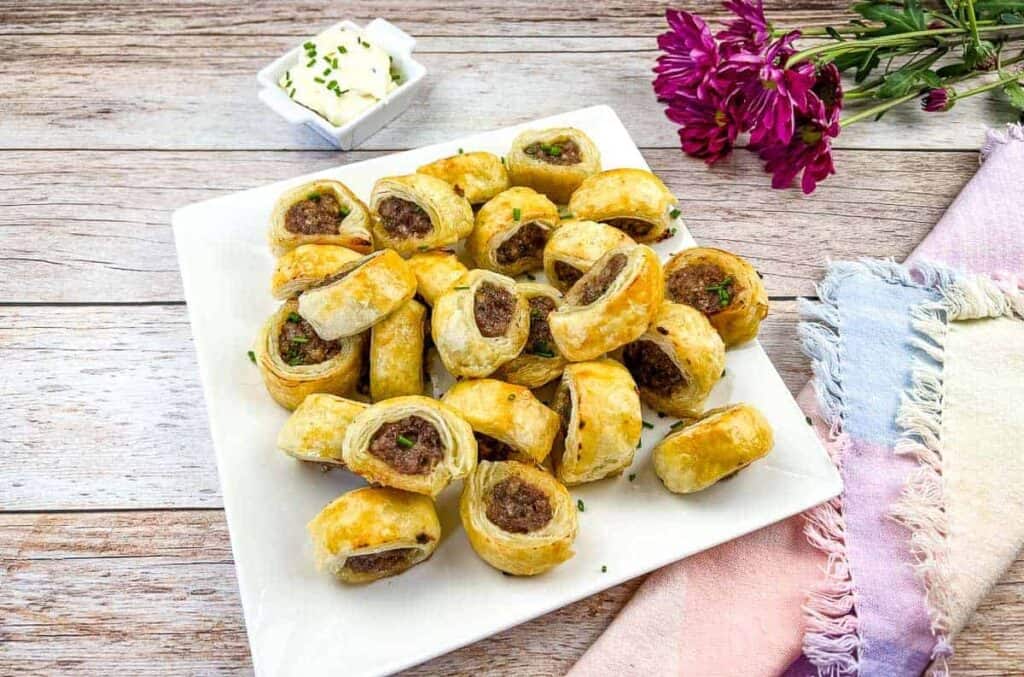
<point>709,125</point>
<point>829,89</point>
<point>808,151</point>
<point>936,100</point>
<point>690,55</point>
<point>749,31</point>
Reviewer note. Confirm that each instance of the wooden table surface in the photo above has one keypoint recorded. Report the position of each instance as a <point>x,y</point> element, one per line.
<point>114,549</point>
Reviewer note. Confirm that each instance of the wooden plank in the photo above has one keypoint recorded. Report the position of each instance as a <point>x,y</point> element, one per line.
<point>105,410</point>
<point>155,593</point>
<point>91,226</point>
<point>198,92</point>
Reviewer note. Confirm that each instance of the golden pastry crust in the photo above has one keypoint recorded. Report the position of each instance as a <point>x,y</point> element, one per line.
<point>719,444</point>
<point>586,330</point>
<point>557,181</point>
<point>450,214</point>
<point>456,442</point>
<point>738,319</point>
<point>507,413</point>
<point>373,521</point>
<point>511,230</point>
<point>517,552</point>
<point>578,245</point>
<point>677,361</point>
<point>601,417</point>
<point>477,176</point>
<point>462,346</point>
<point>396,353</point>
<point>353,232</point>
<point>303,267</point>
<point>289,385</point>
<point>633,194</point>
<point>367,291</point>
<point>436,272</point>
<point>316,429</point>
<point>539,362</point>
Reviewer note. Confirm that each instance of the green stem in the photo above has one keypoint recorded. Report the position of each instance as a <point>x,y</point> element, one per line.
<point>995,84</point>
<point>972,21</point>
<point>875,110</point>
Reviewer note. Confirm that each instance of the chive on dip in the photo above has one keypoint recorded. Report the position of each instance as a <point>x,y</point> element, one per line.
<point>340,75</point>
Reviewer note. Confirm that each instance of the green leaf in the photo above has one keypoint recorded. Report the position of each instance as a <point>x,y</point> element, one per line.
<point>834,34</point>
<point>953,70</point>
<point>867,64</point>
<point>929,79</point>
<point>897,84</point>
<point>993,9</point>
<point>895,20</point>
<point>1015,93</point>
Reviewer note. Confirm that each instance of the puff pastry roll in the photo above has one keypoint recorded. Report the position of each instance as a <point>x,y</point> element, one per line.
<point>320,212</point>
<point>477,176</point>
<point>518,518</point>
<point>677,361</point>
<point>573,249</point>
<point>539,362</point>
<point>609,306</point>
<point>306,265</point>
<point>718,445</point>
<point>396,353</point>
<point>436,272</point>
<point>480,324</point>
<point>412,443</point>
<point>316,429</point>
<point>511,231</point>
<point>721,285</point>
<point>553,161</point>
<point>507,420</point>
<point>418,212</point>
<point>600,412</point>
<point>295,361</point>
<point>632,200</point>
<point>359,296</point>
<point>374,532</point>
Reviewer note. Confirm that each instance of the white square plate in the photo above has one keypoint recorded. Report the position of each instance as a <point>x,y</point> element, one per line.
<point>302,622</point>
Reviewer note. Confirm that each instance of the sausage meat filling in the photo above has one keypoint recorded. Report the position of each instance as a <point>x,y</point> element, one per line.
<point>381,562</point>
<point>590,289</point>
<point>563,152</point>
<point>704,286</point>
<point>518,506</point>
<point>490,449</point>
<point>299,344</point>
<point>540,341</point>
<point>403,219</point>
<point>492,309</point>
<point>411,445</point>
<point>566,273</point>
<point>318,214</point>
<point>526,243</point>
<point>631,227</point>
<point>651,367</point>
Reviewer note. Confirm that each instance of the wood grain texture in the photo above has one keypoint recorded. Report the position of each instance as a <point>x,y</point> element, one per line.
<point>154,593</point>
<point>105,216</point>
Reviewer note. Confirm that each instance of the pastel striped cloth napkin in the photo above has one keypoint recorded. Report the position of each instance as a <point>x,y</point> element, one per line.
<point>919,372</point>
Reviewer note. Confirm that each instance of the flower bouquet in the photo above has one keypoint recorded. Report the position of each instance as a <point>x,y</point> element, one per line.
<point>752,78</point>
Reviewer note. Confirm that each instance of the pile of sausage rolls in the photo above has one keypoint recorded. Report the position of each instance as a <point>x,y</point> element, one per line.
<point>548,377</point>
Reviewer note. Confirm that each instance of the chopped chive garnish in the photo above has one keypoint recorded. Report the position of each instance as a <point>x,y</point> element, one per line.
<point>677,425</point>
<point>460,151</point>
<point>252,357</point>
<point>295,361</point>
<point>530,277</point>
<point>292,93</point>
<point>333,84</point>
<point>639,443</point>
<point>674,213</point>
<point>579,505</point>
<point>461,288</point>
<point>319,79</point>
<point>723,374</point>
<point>808,419</point>
<point>647,425</point>
<point>511,397</point>
<point>516,214</point>
<point>294,317</point>
<point>565,214</point>
<point>308,45</point>
<point>405,442</point>
<point>310,63</point>
<point>423,248</point>
<point>723,291</point>
<point>604,568</point>
<point>300,339</point>
<point>313,197</point>
<point>327,71</point>
<point>342,49</point>
<point>554,150</point>
<point>632,476</point>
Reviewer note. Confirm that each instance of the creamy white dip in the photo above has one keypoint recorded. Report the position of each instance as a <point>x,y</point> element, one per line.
<point>339,75</point>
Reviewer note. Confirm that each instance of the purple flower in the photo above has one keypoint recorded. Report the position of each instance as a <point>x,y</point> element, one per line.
<point>808,151</point>
<point>749,31</point>
<point>709,125</point>
<point>829,89</point>
<point>775,92</point>
<point>936,100</point>
<point>690,55</point>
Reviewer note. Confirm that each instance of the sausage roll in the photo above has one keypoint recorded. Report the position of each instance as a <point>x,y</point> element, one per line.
<point>511,231</point>
<point>316,429</point>
<point>539,362</point>
<point>518,518</point>
<point>553,161</point>
<point>475,176</point>
<point>436,272</point>
<point>396,353</point>
<point>307,264</point>
<point>412,443</point>
<point>721,285</point>
<point>573,249</point>
<point>609,306</point>
<point>296,361</point>
<point>677,361</point>
<point>601,417</point>
<point>374,532</point>
<point>360,295</point>
<point>717,445</point>
<point>320,212</point>
<point>507,420</point>
<point>480,324</point>
<point>418,212</point>
<point>633,200</point>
